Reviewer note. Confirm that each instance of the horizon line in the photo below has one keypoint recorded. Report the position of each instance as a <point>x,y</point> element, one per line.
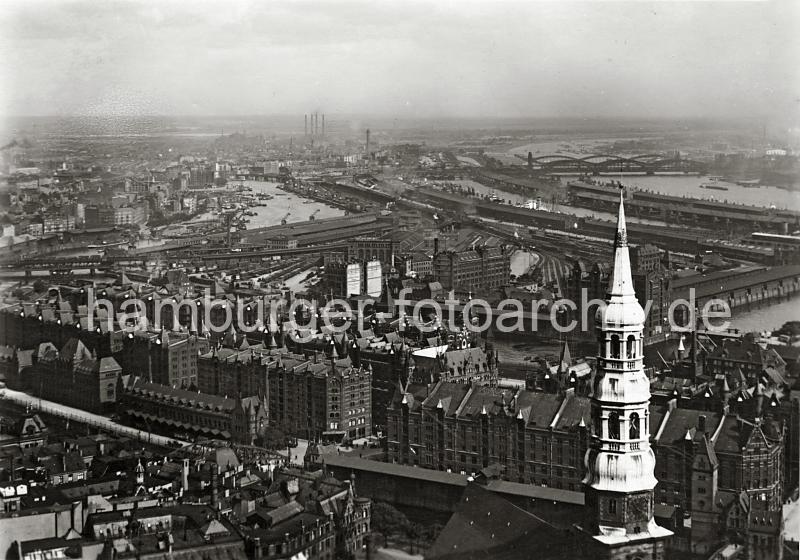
<point>390,116</point>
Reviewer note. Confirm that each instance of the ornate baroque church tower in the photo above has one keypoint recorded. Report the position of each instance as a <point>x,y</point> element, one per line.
<point>619,462</point>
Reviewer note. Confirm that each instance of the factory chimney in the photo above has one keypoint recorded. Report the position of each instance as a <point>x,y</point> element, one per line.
<point>316,123</point>
<point>305,118</point>
<point>323,124</point>
<point>215,487</point>
<point>367,148</point>
<point>185,476</point>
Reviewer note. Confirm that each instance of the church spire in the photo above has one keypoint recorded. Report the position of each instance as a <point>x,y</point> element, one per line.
<point>620,284</point>
<point>620,464</point>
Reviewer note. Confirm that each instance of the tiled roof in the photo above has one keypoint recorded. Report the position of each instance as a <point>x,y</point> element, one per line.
<point>201,400</point>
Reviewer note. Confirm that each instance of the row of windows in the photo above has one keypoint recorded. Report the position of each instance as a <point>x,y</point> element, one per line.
<point>632,348</point>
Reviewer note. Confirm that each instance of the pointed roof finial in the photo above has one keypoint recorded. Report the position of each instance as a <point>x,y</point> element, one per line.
<point>758,393</point>
<point>566,357</point>
<point>620,283</point>
<point>621,237</point>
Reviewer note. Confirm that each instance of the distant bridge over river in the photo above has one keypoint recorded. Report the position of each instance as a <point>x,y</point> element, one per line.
<point>646,164</point>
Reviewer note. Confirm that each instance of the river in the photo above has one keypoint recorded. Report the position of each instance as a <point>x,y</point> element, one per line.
<point>299,209</point>
<point>766,317</point>
<point>690,186</point>
<point>676,185</point>
<point>481,189</point>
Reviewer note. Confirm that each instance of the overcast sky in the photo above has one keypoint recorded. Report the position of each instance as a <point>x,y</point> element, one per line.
<point>452,59</point>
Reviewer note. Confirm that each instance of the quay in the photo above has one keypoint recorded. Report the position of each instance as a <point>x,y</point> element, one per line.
<point>741,287</point>
<point>683,210</point>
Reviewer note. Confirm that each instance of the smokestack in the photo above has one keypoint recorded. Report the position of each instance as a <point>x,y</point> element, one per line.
<point>435,246</point>
<point>305,119</point>
<point>215,486</point>
<point>316,123</point>
<point>367,148</point>
<point>323,124</point>
<point>185,476</point>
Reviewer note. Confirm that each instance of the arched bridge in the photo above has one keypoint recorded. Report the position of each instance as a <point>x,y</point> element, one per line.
<point>647,164</point>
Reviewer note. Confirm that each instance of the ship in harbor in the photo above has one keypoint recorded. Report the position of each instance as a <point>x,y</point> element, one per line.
<point>714,187</point>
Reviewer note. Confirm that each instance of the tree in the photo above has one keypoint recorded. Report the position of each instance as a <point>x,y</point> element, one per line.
<point>273,438</point>
<point>39,285</point>
<point>413,532</point>
<point>388,520</point>
<point>790,328</point>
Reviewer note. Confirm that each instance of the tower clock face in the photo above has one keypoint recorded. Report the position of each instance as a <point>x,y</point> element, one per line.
<point>640,507</point>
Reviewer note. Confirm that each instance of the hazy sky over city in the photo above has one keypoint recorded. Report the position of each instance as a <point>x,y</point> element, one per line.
<point>446,58</point>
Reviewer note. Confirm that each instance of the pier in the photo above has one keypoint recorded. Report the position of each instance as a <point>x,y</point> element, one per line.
<point>683,210</point>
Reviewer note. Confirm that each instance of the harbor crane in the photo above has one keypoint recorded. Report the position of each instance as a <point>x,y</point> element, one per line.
<point>229,219</point>
<point>314,215</point>
<point>286,217</point>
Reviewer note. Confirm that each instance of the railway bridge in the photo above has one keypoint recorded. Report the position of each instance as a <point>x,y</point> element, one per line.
<point>646,164</point>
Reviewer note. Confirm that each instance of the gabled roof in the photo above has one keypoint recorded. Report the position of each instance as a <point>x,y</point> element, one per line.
<point>108,364</point>
<point>213,528</point>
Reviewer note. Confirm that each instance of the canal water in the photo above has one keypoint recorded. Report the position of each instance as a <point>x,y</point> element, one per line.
<point>282,203</point>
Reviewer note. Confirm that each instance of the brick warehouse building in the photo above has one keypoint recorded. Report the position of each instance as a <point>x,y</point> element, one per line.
<point>169,358</point>
<point>322,398</point>
<point>72,376</point>
<point>230,370</point>
<point>154,406</point>
<point>315,396</point>
<point>479,270</point>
